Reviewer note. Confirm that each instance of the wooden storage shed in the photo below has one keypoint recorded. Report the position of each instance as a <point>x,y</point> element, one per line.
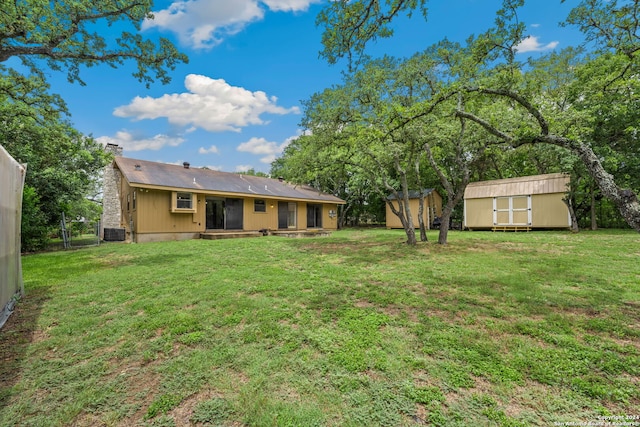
<point>432,208</point>
<point>522,203</point>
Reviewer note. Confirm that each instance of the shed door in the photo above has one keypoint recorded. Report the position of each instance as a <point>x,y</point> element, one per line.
<point>512,210</point>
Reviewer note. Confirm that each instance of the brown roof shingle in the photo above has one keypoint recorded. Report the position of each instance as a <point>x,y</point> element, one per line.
<point>174,177</point>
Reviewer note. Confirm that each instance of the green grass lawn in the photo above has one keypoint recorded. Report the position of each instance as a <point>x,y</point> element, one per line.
<point>357,329</point>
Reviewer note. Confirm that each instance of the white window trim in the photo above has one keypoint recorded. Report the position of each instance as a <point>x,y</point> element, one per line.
<point>174,202</point>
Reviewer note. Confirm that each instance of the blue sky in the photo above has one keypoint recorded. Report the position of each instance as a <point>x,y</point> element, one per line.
<point>237,104</point>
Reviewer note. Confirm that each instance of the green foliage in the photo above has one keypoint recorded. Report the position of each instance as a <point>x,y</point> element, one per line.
<point>63,36</point>
<point>163,404</point>
<point>35,228</point>
<point>349,26</point>
<point>62,172</point>
<point>583,102</point>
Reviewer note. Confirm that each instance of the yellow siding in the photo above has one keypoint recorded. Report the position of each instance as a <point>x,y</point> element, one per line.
<point>478,213</point>
<point>260,220</point>
<point>393,221</point>
<point>549,211</point>
<point>329,223</point>
<point>435,200</point>
<point>153,214</point>
<point>301,220</point>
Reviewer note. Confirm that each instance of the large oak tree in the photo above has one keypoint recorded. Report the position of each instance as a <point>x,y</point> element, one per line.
<point>65,36</point>
<point>601,114</point>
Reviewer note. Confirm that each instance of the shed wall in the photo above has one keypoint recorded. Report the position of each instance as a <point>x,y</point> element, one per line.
<point>547,211</point>
<point>12,176</point>
<point>392,220</point>
<point>478,213</point>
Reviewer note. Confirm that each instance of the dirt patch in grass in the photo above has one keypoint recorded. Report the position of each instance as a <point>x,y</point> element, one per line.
<point>181,415</point>
<point>142,385</point>
<point>88,420</point>
<point>481,386</point>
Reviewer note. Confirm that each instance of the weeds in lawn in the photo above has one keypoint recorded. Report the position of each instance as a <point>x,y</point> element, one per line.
<point>356,329</point>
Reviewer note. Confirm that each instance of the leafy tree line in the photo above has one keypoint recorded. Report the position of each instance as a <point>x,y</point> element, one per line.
<point>63,166</point>
<point>473,111</point>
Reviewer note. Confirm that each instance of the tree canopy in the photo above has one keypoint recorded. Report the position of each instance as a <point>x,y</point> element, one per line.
<point>583,101</point>
<point>66,35</point>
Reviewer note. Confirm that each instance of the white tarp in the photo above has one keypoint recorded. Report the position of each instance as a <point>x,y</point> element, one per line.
<point>11,186</point>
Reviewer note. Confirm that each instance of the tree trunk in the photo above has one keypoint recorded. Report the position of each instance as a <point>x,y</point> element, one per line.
<point>409,228</point>
<point>423,230</point>
<point>444,224</point>
<point>403,212</point>
<point>624,199</point>
<point>594,221</point>
<point>572,213</point>
<point>343,215</point>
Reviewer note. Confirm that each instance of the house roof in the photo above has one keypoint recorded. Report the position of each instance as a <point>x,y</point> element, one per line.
<point>413,194</point>
<point>526,185</point>
<point>145,174</point>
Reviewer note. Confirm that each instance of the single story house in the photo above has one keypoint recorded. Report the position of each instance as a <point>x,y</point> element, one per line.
<point>432,208</point>
<point>518,203</point>
<point>159,201</point>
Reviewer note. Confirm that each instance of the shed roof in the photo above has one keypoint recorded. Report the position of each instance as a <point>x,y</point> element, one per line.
<point>148,174</point>
<point>526,185</point>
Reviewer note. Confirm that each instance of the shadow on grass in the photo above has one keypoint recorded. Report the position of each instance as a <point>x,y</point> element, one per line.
<point>16,336</point>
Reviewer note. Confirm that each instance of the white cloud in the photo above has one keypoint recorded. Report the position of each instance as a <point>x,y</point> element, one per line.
<point>243,168</point>
<point>203,24</point>
<point>211,150</point>
<point>130,142</point>
<point>210,104</point>
<point>262,147</point>
<point>531,44</point>
<point>289,5</point>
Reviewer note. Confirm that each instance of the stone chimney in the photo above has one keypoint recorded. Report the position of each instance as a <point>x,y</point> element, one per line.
<point>111,209</point>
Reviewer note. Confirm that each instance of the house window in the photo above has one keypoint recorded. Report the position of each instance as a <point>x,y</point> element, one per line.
<point>184,200</point>
<point>128,202</point>
<point>259,205</point>
<point>134,200</point>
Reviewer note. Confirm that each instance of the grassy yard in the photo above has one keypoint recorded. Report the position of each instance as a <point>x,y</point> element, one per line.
<point>495,329</point>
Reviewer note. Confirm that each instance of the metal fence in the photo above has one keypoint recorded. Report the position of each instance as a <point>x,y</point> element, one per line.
<point>11,185</point>
<point>76,233</point>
